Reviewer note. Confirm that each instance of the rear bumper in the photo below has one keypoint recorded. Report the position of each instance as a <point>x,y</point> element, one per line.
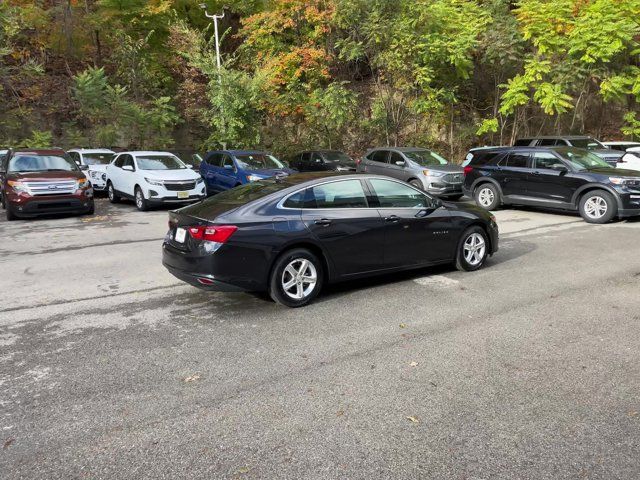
<point>207,282</point>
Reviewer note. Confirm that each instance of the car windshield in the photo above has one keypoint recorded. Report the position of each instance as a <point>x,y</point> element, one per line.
<point>258,161</point>
<point>160,162</point>
<point>581,160</point>
<point>587,143</point>
<point>41,163</point>
<point>425,158</point>
<point>97,158</point>
<point>338,157</point>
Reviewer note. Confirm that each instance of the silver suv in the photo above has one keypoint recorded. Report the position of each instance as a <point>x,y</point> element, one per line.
<point>420,167</point>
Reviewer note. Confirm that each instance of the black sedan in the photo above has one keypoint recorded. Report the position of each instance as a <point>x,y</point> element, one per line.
<point>289,236</point>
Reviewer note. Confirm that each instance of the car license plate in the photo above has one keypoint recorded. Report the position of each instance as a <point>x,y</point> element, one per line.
<point>183,194</point>
<point>181,234</point>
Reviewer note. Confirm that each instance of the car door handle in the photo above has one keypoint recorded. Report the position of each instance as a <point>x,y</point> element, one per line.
<point>392,219</point>
<point>324,222</point>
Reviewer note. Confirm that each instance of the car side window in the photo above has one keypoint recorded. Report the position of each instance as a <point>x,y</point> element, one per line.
<point>228,163</point>
<point>546,160</point>
<point>119,162</point>
<point>396,195</point>
<point>516,160</point>
<point>522,142</point>
<point>379,156</point>
<point>128,161</point>
<point>547,142</point>
<point>297,200</point>
<point>75,156</point>
<point>305,157</point>
<point>214,159</point>
<point>316,158</point>
<point>341,194</point>
<point>395,157</point>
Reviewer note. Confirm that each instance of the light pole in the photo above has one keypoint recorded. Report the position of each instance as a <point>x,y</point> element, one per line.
<point>215,19</point>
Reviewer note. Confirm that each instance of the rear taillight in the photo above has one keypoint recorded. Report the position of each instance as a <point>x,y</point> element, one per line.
<point>217,233</point>
<point>467,170</point>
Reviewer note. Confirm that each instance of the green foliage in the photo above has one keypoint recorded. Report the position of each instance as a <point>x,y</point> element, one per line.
<point>631,125</point>
<point>299,73</point>
<point>38,139</point>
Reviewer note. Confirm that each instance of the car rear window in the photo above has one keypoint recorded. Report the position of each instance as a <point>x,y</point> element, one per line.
<point>230,199</point>
<point>522,142</point>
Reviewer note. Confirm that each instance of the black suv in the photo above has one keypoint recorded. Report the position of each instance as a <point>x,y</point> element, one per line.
<point>553,177</point>
<point>579,141</point>
<point>323,161</point>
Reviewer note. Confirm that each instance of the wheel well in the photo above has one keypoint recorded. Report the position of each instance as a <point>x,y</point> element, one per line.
<point>486,232</point>
<point>589,190</point>
<point>317,251</point>
<point>485,182</point>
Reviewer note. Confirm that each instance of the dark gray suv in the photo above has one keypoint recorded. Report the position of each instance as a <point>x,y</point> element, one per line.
<point>420,167</point>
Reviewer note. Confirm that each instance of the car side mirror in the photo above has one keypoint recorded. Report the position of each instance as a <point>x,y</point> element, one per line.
<point>84,167</point>
<point>559,168</point>
<point>400,163</point>
<point>190,166</point>
<point>128,168</point>
<point>228,167</point>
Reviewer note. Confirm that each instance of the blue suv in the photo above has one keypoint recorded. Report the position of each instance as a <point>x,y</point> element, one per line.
<point>225,169</point>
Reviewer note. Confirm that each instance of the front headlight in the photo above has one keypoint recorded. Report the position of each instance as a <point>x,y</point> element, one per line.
<point>83,183</point>
<point>621,180</point>
<point>253,178</point>
<point>431,173</point>
<point>18,186</point>
<point>151,181</point>
<point>199,181</point>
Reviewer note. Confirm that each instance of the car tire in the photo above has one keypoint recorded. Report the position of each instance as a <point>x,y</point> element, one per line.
<point>416,183</point>
<point>10,215</point>
<point>487,196</point>
<point>598,206</point>
<point>111,193</point>
<point>141,202</point>
<point>473,249</point>
<point>92,209</point>
<point>290,269</point>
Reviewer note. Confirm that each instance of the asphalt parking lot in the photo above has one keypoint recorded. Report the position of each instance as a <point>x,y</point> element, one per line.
<point>111,368</point>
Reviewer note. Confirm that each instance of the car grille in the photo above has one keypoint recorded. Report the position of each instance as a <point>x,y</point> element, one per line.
<point>453,178</point>
<point>179,186</point>
<point>64,187</point>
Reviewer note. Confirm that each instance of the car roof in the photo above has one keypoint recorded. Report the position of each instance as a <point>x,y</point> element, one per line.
<point>40,151</point>
<point>401,149</point>
<point>621,142</point>
<point>91,150</point>
<point>145,152</point>
<point>555,137</point>
<point>237,152</point>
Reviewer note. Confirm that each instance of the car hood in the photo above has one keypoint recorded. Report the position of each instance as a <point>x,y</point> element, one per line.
<point>271,172</point>
<point>45,176</point>
<point>100,167</point>
<point>183,174</point>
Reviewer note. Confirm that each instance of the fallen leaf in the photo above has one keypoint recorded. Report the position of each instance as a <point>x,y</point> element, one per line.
<point>8,443</point>
<point>633,413</point>
<point>244,470</point>
<point>413,364</point>
<point>402,325</point>
<point>340,413</point>
<point>413,419</point>
<point>192,378</point>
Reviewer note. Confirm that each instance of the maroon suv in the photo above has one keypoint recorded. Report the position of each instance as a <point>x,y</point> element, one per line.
<point>38,182</point>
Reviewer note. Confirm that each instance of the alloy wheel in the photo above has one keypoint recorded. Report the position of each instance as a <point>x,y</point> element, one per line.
<point>596,207</point>
<point>110,192</point>
<point>486,197</point>
<point>139,199</point>
<point>299,278</point>
<point>474,249</point>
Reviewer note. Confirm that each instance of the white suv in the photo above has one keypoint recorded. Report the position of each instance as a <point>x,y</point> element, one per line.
<point>630,160</point>
<point>152,178</point>
<point>96,160</point>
